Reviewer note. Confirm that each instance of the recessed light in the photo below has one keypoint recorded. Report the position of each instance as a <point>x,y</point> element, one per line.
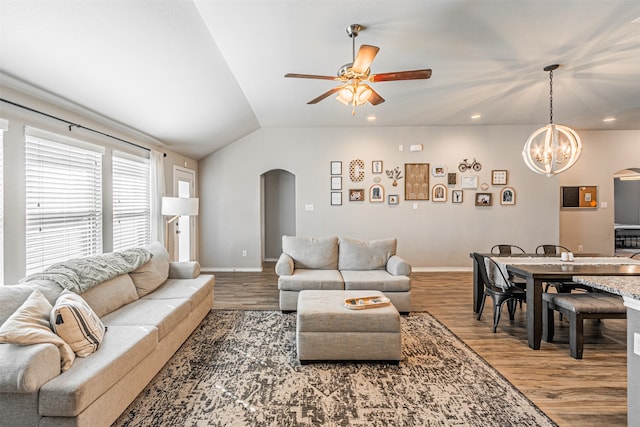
<point>476,116</point>
<point>371,118</point>
<point>609,119</point>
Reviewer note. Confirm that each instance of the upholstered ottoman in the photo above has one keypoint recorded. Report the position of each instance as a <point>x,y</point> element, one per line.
<point>327,330</point>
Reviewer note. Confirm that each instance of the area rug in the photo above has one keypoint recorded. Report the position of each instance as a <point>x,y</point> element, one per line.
<point>239,368</point>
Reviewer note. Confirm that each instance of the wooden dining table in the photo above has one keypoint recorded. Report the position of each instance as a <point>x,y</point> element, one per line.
<point>537,274</point>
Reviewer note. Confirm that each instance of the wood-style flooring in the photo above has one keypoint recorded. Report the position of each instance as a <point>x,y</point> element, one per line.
<point>587,392</point>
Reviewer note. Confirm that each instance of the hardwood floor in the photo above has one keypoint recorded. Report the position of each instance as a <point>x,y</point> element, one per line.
<point>587,392</point>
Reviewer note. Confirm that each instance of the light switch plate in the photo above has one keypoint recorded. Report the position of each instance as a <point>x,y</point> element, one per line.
<point>308,207</point>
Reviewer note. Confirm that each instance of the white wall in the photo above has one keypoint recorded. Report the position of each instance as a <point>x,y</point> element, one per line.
<point>604,154</point>
<point>14,200</point>
<point>434,235</point>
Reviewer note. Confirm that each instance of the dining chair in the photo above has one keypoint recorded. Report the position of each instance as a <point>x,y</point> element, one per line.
<point>551,249</point>
<point>511,294</point>
<point>505,249</point>
<point>636,255</point>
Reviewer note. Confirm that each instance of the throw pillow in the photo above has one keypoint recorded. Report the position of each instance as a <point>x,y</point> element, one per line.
<point>77,324</point>
<point>150,276</point>
<point>29,324</point>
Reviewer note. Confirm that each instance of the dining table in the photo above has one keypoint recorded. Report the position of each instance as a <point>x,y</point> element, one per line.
<point>537,270</point>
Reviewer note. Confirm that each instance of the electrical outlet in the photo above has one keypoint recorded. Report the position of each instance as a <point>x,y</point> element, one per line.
<point>244,253</point>
<point>580,248</point>
<point>636,343</point>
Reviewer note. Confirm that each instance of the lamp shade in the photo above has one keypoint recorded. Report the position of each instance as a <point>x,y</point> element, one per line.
<point>180,206</point>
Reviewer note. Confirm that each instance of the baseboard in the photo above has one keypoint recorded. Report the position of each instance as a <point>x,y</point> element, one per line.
<point>440,269</point>
<point>230,270</point>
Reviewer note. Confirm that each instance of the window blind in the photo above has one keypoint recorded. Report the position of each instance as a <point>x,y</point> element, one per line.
<point>4,126</point>
<point>131,201</point>
<point>63,186</point>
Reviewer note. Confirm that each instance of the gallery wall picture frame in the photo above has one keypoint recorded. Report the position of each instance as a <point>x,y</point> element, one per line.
<point>376,166</point>
<point>499,177</point>
<point>470,182</point>
<point>452,178</point>
<point>484,199</point>
<point>439,193</point>
<point>456,196</point>
<point>336,198</point>
<point>336,167</point>
<point>439,170</point>
<point>376,193</point>
<point>356,194</point>
<point>416,181</point>
<point>394,199</point>
<point>336,183</point>
<point>508,196</point>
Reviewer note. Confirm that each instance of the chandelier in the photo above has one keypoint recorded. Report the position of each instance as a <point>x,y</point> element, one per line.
<point>554,148</point>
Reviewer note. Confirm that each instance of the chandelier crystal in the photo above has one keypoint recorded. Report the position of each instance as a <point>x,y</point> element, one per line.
<point>554,148</point>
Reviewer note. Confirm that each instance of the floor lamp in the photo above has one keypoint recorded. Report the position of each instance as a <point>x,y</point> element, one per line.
<point>175,207</point>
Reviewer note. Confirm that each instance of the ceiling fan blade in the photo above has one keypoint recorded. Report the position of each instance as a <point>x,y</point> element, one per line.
<point>324,95</point>
<point>364,58</point>
<point>401,75</point>
<point>310,76</point>
<point>375,98</point>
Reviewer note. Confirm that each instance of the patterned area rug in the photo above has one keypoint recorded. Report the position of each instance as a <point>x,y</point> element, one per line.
<point>239,368</point>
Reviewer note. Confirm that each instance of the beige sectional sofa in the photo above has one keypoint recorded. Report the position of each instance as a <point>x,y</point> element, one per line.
<point>148,313</point>
<point>332,263</point>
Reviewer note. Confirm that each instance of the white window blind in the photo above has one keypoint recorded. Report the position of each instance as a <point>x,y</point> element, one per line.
<point>63,185</point>
<point>4,125</point>
<point>131,201</point>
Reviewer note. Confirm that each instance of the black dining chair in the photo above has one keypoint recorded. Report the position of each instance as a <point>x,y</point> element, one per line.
<point>499,295</point>
<point>505,249</point>
<point>551,249</point>
<point>636,255</point>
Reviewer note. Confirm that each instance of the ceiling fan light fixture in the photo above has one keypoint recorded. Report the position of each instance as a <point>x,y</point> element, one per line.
<point>553,148</point>
<point>362,95</point>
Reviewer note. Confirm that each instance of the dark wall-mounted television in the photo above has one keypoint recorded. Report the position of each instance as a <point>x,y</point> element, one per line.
<point>579,197</point>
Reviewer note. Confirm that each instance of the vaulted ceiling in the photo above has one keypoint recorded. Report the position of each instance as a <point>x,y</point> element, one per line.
<point>198,75</point>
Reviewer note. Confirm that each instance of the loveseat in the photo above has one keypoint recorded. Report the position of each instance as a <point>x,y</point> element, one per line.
<point>147,313</point>
<point>332,263</point>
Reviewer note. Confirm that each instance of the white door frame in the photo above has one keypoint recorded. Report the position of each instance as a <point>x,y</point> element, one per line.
<point>189,175</point>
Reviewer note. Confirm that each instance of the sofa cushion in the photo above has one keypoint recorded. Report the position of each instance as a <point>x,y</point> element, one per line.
<point>311,279</point>
<point>152,274</point>
<point>195,290</point>
<point>111,295</point>
<point>184,270</point>
<point>318,253</point>
<point>24,368</point>
<point>363,255</point>
<point>29,324</point>
<point>164,314</point>
<point>11,298</point>
<point>123,348</point>
<point>378,280</point>
<point>77,324</point>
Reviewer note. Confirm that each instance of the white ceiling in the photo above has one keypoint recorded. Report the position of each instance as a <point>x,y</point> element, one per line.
<point>199,75</point>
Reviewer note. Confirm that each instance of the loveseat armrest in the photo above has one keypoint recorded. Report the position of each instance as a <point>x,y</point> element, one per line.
<point>284,266</point>
<point>24,368</point>
<point>397,266</point>
<point>184,270</point>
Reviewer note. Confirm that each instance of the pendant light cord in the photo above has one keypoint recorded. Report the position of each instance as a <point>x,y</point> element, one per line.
<point>551,97</point>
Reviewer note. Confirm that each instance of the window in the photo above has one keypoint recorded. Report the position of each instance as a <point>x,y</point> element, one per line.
<point>63,184</point>
<point>131,201</point>
<point>4,125</point>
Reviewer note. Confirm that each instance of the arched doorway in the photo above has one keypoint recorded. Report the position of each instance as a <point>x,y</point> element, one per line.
<point>626,193</point>
<point>278,211</point>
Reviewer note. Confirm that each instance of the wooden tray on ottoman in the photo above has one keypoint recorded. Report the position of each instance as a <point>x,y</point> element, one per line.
<point>366,302</point>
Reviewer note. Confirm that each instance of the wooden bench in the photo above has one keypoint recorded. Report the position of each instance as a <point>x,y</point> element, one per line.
<point>577,307</point>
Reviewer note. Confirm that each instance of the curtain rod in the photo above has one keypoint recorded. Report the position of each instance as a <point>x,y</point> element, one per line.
<point>76,125</point>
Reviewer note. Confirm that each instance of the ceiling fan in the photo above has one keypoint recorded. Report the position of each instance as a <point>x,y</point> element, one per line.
<point>352,75</point>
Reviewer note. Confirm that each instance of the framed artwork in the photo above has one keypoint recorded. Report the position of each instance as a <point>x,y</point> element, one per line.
<point>483,199</point>
<point>470,182</point>
<point>508,196</point>
<point>452,178</point>
<point>336,183</point>
<point>416,181</point>
<point>356,194</point>
<point>499,177</point>
<point>376,166</point>
<point>439,193</point>
<point>376,193</point>
<point>439,170</point>
<point>336,168</point>
<point>456,196</point>
<point>393,199</point>
<point>336,198</point>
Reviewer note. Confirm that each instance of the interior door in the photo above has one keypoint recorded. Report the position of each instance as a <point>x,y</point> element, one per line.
<point>184,246</point>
